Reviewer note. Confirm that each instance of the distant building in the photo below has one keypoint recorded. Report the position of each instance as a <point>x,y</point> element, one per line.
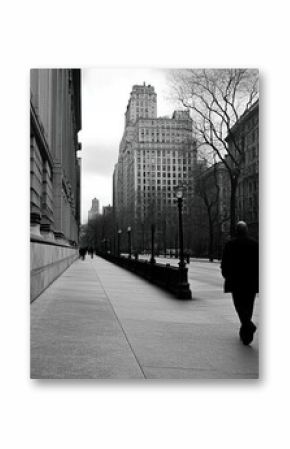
<point>246,132</point>
<point>107,210</point>
<point>156,154</point>
<point>55,120</point>
<point>95,209</point>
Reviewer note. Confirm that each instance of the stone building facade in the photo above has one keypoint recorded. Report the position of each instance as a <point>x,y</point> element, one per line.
<point>55,120</point>
<point>156,154</point>
<point>246,132</point>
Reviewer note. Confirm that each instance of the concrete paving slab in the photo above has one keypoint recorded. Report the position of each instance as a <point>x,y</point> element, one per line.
<point>100,321</point>
<point>198,337</point>
<point>75,332</point>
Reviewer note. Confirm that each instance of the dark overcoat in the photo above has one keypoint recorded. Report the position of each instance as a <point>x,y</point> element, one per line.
<point>240,265</point>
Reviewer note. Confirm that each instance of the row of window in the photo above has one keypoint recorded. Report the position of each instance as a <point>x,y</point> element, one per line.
<point>158,174</point>
<point>155,131</point>
<point>164,181</point>
<point>158,187</point>
<point>167,125</point>
<point>142,102</point>
<point>159,139</point>
<point>165,152</point>
<point>163,160</point>
<point>156,134</point>
<point>151,169</point>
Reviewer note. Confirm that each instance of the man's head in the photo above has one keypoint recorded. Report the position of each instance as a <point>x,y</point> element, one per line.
<point>241,229</point>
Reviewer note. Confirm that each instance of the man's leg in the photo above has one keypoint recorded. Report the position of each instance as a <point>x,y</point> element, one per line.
<point>238,303</point>
<point>244,305</point>
<point>249,306</point>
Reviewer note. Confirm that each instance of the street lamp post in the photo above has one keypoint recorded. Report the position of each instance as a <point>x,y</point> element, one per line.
<point>152,260</point>
<point>119,241</point>
<point>179,196</point>
<point>129,242</point>
<point>183,289</point>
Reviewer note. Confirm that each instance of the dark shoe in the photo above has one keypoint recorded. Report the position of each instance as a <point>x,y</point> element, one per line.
<point>247,333</point>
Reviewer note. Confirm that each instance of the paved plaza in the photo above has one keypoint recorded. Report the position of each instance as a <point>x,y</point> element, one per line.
<point>99,321</point>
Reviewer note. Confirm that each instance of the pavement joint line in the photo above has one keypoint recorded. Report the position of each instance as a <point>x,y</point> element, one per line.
<point>120,324</point>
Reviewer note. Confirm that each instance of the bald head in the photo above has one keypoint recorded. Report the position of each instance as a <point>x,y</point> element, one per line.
<point>241,229</point>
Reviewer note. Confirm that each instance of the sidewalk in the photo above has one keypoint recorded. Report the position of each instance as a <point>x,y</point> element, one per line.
<point>100,321</point>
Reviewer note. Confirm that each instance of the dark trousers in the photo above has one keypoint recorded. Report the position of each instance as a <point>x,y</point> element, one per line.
<point>244,305</point>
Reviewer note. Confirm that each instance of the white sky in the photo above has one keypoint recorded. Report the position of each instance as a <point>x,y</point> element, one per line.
<point>105,94</point>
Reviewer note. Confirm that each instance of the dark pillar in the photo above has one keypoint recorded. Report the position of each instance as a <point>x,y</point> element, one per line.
<point>152,260</point>
<point>181,253</point>
<point>119,242</point>
<point>129,242</point>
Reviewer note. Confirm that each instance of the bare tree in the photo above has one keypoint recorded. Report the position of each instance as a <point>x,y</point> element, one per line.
<point>209,178</point>
<point>218,99</point>
<point>210,198</point>
<point>98,230</point>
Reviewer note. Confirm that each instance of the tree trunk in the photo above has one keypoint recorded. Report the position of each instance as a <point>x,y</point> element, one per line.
<point>234,184</point>
<point>210,234</point>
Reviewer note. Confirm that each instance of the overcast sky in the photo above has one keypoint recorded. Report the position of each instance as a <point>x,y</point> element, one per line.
<point>105,94</point>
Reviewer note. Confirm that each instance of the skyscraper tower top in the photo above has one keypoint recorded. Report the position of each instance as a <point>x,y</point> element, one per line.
<point>96,205</point>
<point>142,103</point>
<point>95,209</point>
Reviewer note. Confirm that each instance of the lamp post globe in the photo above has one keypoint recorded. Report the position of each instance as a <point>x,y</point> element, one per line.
<point>119,241</point>
<point>179,193</point>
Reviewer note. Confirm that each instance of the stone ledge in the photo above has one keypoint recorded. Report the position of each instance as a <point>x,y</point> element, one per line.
<point>48,262</point>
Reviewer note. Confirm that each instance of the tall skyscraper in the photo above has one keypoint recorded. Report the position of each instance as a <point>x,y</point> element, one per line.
<point>95,209</point>
<point>156,154</point>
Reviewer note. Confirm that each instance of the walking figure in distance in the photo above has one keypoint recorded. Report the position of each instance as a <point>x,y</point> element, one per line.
<point>240,268</point>
<point>82,253</point>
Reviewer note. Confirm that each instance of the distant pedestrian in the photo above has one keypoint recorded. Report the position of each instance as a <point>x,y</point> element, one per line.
<point>82,253</point>
<point>240,268</point>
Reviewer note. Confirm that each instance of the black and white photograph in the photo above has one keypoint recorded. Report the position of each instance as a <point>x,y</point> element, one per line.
<point>144,223</point>
<point>144,205</point>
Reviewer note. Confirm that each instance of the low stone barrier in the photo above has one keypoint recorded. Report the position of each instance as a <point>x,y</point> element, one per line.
<point>48,260</point>
<point>173,279</point>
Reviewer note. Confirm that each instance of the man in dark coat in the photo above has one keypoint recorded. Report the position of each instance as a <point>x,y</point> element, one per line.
<point>240,268</point>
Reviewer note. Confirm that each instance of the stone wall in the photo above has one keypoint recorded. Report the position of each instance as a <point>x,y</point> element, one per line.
<point>47,261</point>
